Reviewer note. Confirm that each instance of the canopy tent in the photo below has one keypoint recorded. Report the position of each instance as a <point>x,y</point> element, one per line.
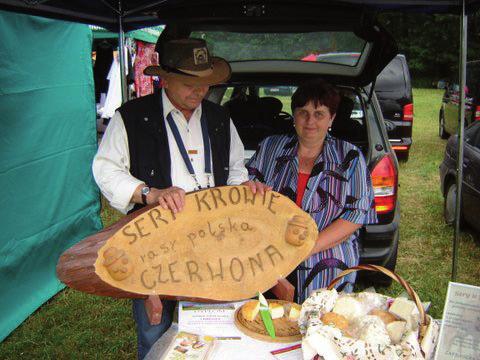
<point>137,14</point>
<point>120,15</point>
<point>47,140</point>
<point>149,35</point>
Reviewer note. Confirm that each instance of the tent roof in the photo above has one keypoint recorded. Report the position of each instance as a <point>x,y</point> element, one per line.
<point>149,35</point>
<point>143,13</point>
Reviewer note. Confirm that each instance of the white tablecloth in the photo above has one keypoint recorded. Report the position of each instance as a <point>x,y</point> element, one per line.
<point>241,348</point>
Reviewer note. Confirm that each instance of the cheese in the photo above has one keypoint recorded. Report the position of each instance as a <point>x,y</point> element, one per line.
<point>371,329</point>
<point>403,308</point>
<point>429,339</point>
<point>250,310</point>
<point>349,307</point>
<point>395,330</point>
<point>276,310</point>
<point>406,310</point>
<point>294,312</point>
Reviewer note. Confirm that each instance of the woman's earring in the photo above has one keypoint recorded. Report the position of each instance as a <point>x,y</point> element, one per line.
<point>330,128</point>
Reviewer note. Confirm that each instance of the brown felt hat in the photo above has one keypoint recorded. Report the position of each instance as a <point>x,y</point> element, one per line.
<point>189,60</point>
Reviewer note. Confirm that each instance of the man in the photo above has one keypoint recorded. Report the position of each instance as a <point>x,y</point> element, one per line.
<point>158,147</point>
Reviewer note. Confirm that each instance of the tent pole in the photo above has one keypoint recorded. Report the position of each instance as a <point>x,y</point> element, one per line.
<point>460,132</point>
<point>121,53</point>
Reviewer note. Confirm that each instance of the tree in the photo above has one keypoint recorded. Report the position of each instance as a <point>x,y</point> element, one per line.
<point>431,42</point>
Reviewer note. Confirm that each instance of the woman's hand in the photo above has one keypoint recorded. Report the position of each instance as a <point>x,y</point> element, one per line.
<point>257,186</point>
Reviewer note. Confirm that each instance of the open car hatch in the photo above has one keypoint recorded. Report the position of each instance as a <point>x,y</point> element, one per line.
<point>341,42</point>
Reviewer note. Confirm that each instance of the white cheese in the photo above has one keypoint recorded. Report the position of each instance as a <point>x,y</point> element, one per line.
<point>349,307</point>
<point>403,308</point>
<point>429,339</point>
<point>395,330</point>
<point>372,330</point>
<point>294,312</point>
<point>276,310</point>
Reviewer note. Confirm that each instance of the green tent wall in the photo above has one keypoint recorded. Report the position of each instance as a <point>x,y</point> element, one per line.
<point>48,200</point>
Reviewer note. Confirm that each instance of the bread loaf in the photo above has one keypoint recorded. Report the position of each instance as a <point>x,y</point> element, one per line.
<point>385,316</point>
<point>337,320</point>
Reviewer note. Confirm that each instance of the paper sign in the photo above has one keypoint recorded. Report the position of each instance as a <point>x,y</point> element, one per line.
<point>210,319</point>
<point>460,329</point>
<point>218,320</point>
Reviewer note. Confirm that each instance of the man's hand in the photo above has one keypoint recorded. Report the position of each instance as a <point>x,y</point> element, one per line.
<point>172,198</point>
<point>257,186</point>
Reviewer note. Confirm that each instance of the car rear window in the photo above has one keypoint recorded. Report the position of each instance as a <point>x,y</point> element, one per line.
<point>308,46</point>
<point>392,77</point>
<point>253,121</point>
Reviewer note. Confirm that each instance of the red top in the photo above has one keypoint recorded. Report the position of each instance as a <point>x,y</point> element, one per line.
<point>302,184</point>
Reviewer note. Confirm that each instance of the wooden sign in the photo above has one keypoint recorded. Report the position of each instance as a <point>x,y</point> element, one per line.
<point>227,244</point>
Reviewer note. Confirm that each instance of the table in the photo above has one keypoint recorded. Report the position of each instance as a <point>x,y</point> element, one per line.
<point>230,344</point>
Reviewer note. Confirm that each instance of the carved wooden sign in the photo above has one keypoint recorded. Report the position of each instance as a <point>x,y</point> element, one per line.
<point>225,245</point>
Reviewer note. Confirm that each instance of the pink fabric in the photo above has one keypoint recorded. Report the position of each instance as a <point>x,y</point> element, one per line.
<point>311,57</point>
<point>145,57</point>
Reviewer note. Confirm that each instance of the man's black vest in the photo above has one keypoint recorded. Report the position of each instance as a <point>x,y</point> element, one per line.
<point>148,141</point>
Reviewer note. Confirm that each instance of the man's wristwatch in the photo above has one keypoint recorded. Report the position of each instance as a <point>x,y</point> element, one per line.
<point>145,191</point>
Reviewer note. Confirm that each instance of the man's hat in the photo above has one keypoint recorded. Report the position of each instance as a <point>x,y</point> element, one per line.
<point>189,60</point>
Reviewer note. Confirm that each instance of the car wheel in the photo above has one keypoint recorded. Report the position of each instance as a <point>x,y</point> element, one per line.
<point>450,203</point>
<point>441,126</point>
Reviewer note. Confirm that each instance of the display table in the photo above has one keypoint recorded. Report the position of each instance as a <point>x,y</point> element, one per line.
<point>230,342</point>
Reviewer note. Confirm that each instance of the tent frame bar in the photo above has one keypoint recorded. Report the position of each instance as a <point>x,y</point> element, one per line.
<point>461,136</point>
<point>107,4</point>
<point>121,53</point>
<point>144,7</point>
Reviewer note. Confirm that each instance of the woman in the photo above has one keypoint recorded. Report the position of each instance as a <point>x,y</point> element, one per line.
<point>327,177</point>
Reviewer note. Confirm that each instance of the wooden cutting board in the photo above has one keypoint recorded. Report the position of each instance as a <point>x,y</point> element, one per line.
<point>286,330</point>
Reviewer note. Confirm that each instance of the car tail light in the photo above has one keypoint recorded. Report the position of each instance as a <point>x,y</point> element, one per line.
<point>477,113</point>
<point>400,147</point>
<point>384,180</point>
<point>408,112</point>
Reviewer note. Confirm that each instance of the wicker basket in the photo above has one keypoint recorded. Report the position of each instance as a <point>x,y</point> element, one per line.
<point>424,320</point>
<point>428,330</point>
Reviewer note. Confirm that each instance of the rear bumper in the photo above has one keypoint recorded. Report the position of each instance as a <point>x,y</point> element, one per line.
<point>402,143</point>
<point>380,242</point>
<point>399,133</point>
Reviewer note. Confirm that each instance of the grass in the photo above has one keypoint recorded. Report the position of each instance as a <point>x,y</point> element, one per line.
<point>425,252</point>
<point>73,325</point>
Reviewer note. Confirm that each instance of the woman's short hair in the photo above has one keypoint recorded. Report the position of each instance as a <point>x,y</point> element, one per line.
<point>319,92</point>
